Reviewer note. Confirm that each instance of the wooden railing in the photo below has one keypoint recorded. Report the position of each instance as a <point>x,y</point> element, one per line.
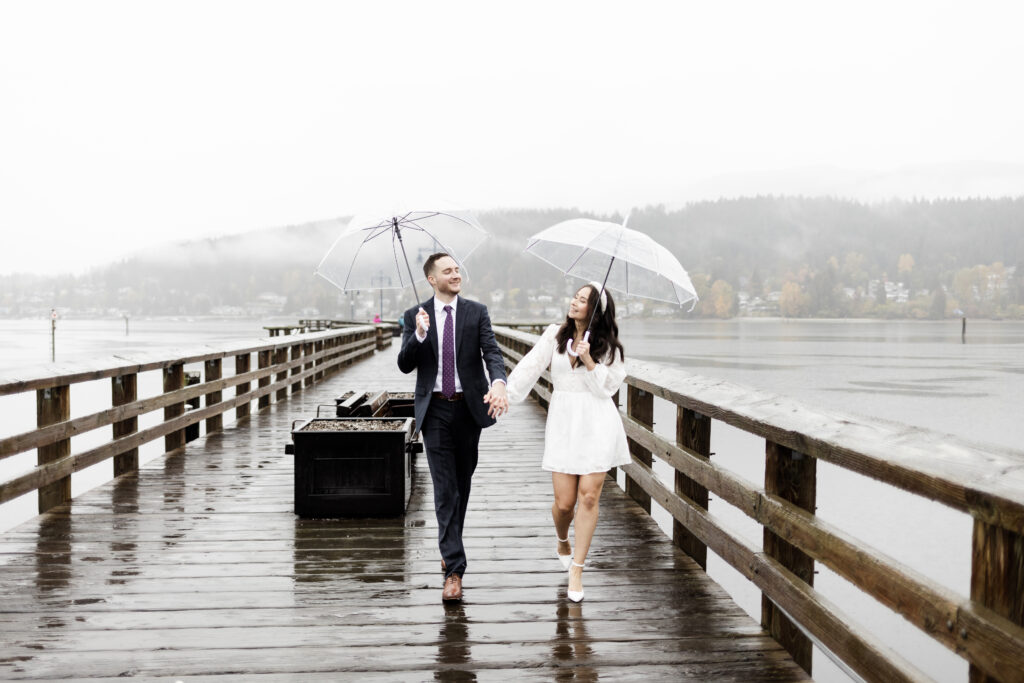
<point>284,366</point>
<point>987,483</point>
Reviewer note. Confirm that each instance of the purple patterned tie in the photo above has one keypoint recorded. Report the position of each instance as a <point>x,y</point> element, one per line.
<point>448,355</point>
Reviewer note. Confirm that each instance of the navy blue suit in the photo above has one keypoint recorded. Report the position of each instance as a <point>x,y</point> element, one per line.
<point>451,430</point>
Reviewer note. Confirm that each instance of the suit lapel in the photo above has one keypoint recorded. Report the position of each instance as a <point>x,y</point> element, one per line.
<point>460,326</point>
<point>432,333</point>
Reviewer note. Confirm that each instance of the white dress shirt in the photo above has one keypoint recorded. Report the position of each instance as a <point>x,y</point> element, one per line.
<point>439,319</point>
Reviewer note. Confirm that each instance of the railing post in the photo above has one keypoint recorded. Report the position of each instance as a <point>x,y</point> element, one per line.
<point>124,389</point>
<point>174,379</point>
<point>280,358</point>
<point>997,578</point>
<point>213,370</point>
<point>192,430</point>
<point>693,431</point>
<point>318,347</point>
<point>791,476</point>
<point>53,405</point>
<point>296,355</point>
<point>307,351</point>
<point>264,362</point>
<point>242,366</point>
<point>640,407</point>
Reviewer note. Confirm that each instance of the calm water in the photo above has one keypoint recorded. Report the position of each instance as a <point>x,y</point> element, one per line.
<point>916,373</point>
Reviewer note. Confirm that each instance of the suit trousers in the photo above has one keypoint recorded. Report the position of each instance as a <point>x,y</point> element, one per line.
<point>451,437</point>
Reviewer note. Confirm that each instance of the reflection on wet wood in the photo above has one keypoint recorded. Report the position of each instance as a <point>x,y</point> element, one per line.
<point>196,566</point>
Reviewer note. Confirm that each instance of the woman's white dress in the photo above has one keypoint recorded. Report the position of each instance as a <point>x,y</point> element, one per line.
<point>584,432</point>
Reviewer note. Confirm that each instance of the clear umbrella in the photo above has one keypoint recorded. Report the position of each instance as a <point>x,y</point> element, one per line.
<point>373,252</point>
<point>622,259</point>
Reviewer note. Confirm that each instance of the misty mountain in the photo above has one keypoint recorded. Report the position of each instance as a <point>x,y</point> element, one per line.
<point>962,180</point>
<point>795,255</point>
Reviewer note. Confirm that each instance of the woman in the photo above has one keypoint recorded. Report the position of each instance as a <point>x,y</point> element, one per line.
<point>583,437</point>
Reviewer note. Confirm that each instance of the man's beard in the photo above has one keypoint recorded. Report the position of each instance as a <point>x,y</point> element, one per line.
<point>446,288</point>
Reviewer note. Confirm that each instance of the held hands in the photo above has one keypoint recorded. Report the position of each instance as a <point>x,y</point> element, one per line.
<point>422,322</point>
<point>497,400</point>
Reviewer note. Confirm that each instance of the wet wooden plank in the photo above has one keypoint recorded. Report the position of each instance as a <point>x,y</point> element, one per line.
<point>196,566</point>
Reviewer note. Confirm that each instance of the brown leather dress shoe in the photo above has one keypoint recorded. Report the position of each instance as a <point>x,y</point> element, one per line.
<point>452,589</point>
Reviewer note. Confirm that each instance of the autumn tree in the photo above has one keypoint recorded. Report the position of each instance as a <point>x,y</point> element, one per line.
<point>793,303</point>
<point>723,299</point>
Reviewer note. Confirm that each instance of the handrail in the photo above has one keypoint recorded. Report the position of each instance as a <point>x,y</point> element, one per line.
<point>987,482</point>
<point>285,365</point>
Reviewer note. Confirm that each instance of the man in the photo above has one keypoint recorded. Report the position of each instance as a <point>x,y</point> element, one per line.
<point>444,340</point>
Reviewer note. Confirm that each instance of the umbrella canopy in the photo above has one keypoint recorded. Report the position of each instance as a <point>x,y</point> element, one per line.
<point>626,260</point>
<point>375,250</point>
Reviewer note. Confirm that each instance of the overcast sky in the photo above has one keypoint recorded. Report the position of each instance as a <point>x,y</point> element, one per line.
<point>130,124</point>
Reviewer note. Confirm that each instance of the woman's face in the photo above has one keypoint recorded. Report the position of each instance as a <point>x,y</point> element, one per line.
<point>578,307</point>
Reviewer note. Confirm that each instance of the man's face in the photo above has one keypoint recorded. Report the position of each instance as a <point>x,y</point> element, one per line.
<point>446,278</point>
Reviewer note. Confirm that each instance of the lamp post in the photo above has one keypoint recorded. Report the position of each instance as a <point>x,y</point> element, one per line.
<point>53,335</point>
<point>380,281</point>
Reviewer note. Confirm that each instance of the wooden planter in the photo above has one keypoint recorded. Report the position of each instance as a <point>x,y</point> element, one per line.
<point>353,467</point>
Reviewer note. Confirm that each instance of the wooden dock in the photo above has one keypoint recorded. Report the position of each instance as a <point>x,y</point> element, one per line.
<point>195,568</point>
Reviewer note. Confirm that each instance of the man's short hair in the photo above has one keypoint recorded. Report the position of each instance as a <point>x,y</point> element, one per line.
<point>428,265</point>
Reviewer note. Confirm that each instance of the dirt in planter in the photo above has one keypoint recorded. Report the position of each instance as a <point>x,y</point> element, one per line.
<point>355,425</point>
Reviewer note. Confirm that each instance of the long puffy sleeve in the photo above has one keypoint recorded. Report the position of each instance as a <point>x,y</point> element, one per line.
<point>528,370</point>
<point>605,380</point>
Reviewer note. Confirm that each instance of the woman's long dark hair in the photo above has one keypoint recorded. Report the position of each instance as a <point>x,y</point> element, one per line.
<point>604,332</point>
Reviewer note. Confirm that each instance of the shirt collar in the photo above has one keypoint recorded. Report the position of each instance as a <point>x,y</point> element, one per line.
<point>439,307</point>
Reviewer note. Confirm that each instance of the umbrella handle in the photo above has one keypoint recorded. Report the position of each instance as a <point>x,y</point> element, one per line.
<point>568,344</point>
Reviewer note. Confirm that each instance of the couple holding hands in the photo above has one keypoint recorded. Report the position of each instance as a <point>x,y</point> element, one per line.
<point>448,341</point>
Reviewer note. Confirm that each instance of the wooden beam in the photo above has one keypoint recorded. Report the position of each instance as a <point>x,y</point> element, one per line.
<point>693,431</point>
<point>965,627</point>
<point>46,435</point>
<point>44,475</point>
<point>214,370</point>
<point>242,364</point>
<point>124,389</point>
<point>860,649</point>
<point>50,375</point>
<point>997,581</point>
<point>640,407</point>
<point>792,477</point>
<point>264,362</point>
<point>174,379</point>
<point>296,352</point>
<point>53,406</point>
<point>280,358</point>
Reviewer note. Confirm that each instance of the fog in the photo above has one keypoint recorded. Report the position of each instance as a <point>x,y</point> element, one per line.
<point>130,125</point>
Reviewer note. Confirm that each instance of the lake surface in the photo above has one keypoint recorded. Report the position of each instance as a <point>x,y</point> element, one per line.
<point>916,373</point>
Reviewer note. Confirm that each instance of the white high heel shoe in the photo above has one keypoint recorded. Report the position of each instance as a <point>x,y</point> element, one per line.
<point>575,596</point>
<point>564,559</point>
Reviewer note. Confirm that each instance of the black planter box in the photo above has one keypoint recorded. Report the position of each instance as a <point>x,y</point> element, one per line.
<point>342,470</point>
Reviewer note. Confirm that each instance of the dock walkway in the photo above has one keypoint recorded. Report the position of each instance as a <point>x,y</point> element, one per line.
<point>195,568</point>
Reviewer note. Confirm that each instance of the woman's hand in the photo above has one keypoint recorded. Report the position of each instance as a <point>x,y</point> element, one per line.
<point>582,348</point>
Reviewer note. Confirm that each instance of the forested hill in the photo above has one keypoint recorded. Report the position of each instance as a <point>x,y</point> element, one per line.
<point>793,256</point>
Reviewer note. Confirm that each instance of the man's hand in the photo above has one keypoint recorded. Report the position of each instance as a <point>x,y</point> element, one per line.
<point>497,400</point>
<point>422,323</point>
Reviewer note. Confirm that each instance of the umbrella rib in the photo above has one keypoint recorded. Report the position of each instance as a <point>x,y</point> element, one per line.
<point>577,259</point>
<point>351,265</point>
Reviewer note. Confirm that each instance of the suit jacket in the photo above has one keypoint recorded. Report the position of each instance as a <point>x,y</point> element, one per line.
<point>475,347</point>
